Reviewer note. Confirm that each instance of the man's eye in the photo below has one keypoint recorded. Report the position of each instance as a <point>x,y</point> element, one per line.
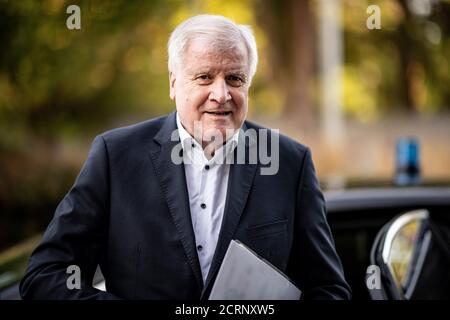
<point>235,80</point>
<point>204,77</point>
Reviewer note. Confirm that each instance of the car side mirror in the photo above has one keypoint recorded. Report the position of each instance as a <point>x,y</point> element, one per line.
<point>404,250</point>
<point>399,251</point>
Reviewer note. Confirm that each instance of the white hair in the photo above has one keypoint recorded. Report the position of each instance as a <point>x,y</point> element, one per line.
<point>222,33</point>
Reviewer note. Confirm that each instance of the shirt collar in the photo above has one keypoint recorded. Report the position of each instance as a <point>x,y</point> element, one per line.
<point>185,137</point>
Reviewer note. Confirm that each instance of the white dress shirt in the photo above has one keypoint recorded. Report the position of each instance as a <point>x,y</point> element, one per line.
<point>207,182</point>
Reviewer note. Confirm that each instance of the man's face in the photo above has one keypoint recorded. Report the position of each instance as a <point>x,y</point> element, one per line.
<point>211,87</point>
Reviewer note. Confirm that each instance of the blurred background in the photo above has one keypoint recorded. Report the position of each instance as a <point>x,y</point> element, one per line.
<point>324,78</point>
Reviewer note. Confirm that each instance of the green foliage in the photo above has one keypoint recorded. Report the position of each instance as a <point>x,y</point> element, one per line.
<point>404,66</point>
<point>53,78</point>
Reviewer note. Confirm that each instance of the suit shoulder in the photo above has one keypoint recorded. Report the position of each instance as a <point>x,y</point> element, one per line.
<point>138,131</point>
<point>287,144</point>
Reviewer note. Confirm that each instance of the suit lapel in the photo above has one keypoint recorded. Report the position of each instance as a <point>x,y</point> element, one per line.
<point>239,184</point>
<point>173,183</point>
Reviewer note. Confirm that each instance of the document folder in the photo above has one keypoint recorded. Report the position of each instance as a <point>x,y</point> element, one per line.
<point>244,275</point>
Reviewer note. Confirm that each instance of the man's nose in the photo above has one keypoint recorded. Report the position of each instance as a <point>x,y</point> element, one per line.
<point>220,92</point>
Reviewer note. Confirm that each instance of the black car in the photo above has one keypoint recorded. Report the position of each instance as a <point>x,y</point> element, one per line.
<point>402,233</point>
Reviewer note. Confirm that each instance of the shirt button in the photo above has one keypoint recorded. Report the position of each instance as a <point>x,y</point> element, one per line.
<point>203,206</point>
<point>206,167</point>
<point>193,145</point>
<point>199,248</point>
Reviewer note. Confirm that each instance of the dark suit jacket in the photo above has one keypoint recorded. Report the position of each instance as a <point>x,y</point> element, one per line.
<point>128,212</point>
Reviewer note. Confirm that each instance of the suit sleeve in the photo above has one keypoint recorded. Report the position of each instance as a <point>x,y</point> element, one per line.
<point>315,265</point>
<point>76,236</point>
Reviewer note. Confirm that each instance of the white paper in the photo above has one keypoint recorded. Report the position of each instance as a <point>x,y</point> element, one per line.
<point>243,275</point>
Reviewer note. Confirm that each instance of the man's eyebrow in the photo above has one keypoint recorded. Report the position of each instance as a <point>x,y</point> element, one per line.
<point>241,73</point>
<point>201,71</point>
<point>198,71</point>
<point>237,71</point>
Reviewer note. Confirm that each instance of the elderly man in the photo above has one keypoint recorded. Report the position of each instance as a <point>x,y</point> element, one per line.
<point>159,227</point>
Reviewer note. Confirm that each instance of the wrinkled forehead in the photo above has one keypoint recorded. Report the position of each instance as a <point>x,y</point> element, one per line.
<point>201,53</point>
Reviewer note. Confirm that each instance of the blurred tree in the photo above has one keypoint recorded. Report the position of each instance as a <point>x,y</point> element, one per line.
<point>53,79</point>
<point>402,67</point>
<point>290,28</point>
<point>419,40</point>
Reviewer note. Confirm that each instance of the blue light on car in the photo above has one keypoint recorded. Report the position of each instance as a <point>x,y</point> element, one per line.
<point>407,162</point>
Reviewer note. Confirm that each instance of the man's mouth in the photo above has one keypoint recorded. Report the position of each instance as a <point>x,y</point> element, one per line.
<point>219,113</point>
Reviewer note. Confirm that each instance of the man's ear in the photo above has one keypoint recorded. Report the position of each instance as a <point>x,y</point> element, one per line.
<point>172,80</point>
